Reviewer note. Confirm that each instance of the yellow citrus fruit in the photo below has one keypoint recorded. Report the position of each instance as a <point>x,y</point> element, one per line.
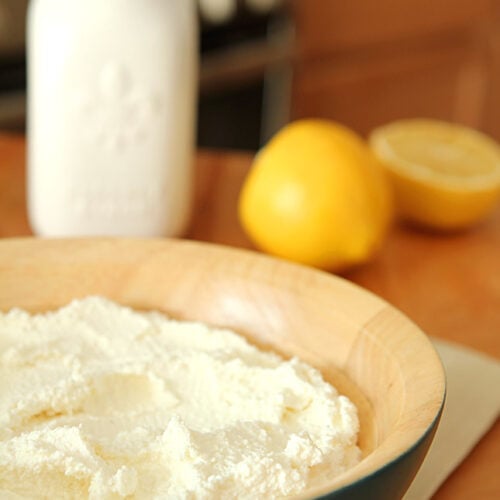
<point>316,195</point>
<point>445,176</point>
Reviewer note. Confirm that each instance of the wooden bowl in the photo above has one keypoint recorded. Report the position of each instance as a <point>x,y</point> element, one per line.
<point>368,349</point>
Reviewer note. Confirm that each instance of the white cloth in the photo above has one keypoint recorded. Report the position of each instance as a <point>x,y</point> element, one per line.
<point>471,408</point>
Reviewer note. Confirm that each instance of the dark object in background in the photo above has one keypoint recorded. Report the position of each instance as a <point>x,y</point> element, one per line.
<point>229,115</point>
<point>231,118</point>
<point>12,64</point>
<point>13,74</point>
<point>245,78</point>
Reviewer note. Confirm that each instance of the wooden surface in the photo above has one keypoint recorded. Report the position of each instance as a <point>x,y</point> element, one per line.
<point>326,26</point>
<point>366,63</point>
<point>448,284</point>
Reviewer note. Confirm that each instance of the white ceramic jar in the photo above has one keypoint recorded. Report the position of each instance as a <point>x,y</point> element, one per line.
<point>111,116</point>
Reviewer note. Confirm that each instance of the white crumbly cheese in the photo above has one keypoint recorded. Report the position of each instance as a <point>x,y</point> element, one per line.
<point>99,401</point>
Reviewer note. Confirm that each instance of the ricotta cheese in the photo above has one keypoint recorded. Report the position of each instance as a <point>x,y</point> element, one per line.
<point>100,401</point>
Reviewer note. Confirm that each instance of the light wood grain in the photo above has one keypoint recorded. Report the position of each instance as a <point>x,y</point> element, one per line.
<point>366,62</point>
<point>448,285</point>
<point>360,343</point>
<point>367,90</point>
<point>326,26</point>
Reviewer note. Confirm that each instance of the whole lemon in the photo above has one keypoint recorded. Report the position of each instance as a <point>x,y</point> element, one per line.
<point>316,195</point>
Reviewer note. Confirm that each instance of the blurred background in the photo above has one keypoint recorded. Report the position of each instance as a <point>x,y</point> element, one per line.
<point>361,62</point>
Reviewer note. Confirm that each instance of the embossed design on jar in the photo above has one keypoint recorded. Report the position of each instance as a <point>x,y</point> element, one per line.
<point>99,201</point>
<point>118,112</point>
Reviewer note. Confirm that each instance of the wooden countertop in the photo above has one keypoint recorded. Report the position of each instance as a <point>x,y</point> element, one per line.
<point>448,284</point>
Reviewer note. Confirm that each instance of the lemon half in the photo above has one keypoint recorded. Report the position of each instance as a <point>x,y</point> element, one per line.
<point>445,176</point>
